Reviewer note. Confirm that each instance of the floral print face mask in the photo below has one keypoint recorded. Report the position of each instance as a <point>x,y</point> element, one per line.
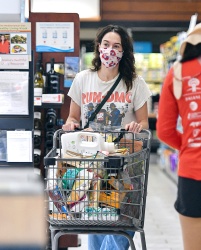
<point>110,57</point>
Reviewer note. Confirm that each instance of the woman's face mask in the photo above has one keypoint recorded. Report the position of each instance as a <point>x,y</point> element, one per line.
<point>110,57</point>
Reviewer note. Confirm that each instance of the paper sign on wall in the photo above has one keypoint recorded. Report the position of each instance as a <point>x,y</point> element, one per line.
<point>54,37</point>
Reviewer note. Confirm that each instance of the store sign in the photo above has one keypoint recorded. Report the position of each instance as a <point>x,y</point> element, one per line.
<point>142,47</point>
<point>15,45</point>
<point>54,37</point>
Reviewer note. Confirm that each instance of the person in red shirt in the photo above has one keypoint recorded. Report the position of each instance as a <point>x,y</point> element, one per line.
<point>181,98</point>
<point>4,45</point>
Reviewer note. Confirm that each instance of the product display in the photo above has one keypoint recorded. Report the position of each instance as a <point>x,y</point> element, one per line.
<point>47,86</point>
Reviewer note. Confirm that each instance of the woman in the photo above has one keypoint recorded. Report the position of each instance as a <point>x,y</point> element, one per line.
<point>4,45</point>
<point>181,98</point>
<point>113,55</point>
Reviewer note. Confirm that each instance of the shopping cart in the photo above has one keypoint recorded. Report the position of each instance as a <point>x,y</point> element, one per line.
<point>98,193</point>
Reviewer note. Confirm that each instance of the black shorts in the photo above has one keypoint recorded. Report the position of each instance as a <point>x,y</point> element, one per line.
<point>188,201</point>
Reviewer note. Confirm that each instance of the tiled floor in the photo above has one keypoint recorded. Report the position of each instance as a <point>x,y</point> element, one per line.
<point>162,229</point>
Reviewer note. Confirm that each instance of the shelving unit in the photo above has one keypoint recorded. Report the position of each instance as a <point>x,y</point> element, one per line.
<point>150,67</point>
<point>61,108</point>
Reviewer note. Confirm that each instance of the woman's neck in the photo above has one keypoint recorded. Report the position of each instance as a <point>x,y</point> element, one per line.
<point>107,74</point>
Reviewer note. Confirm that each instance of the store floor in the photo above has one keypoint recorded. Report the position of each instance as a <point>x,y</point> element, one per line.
<point>162,228</point>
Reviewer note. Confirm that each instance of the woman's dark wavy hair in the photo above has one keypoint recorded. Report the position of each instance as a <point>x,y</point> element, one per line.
<point>127,63</point>
<point>191,51</point>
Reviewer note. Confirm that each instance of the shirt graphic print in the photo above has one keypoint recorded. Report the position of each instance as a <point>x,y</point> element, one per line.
<point>113,111</point>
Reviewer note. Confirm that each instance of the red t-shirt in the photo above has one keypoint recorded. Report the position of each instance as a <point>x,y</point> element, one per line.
<point>4,47</point>
<point>188,107</point>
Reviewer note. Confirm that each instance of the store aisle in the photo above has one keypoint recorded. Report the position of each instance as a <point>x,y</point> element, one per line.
<point>162,229</point>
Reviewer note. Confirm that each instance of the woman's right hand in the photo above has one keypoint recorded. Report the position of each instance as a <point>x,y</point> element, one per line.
<point>73,120</point>
<point>70,126</point>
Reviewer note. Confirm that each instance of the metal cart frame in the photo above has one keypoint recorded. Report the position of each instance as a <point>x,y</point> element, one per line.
<point>59,227</point>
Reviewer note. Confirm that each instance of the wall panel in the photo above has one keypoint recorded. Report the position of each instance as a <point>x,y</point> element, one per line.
<point>138,10</point>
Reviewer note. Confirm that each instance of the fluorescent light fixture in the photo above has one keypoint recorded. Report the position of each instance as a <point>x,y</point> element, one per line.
<point>87,9</point>
<point>10,7</point>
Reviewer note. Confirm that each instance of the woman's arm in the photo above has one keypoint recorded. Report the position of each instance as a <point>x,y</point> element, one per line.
<point>73,120</point>
<point>168,113</point>
<point>141,120</point>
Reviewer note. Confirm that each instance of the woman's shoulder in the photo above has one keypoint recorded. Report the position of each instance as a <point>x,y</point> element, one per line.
<point>139,80</point>
<point>85,73</point>
<point>140,84</point>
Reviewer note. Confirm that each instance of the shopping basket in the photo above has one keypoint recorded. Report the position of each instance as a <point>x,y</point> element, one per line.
<point>98,193</point>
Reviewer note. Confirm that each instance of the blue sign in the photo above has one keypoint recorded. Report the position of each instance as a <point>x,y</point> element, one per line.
<point>142,47</point>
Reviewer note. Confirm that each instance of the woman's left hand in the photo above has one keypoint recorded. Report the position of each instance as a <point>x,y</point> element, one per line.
<point>133,127</point>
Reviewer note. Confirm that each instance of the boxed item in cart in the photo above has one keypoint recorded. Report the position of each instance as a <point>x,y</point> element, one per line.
<point>115,183</point>
<point>112,198</point>
<point>81,186</point>
<point>106,214</point>
<point>94,192</point>
<point>132,145</point>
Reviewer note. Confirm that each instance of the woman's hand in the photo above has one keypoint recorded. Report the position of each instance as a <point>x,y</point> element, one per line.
<point>69,126</point>
<point>133,127</point>
<point>141,120</point>
<point>73,120</point>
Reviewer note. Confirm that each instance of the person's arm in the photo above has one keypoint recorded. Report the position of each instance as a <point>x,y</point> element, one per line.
<point>141,120</point>
<point>168,113</point>
<point>73,120</point>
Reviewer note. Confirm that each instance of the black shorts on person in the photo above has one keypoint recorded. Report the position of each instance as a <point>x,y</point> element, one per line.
<point>188,201</point>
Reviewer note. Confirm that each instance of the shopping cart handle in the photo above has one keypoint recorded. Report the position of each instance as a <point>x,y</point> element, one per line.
<point>116,140</point>
<point>78,129</point>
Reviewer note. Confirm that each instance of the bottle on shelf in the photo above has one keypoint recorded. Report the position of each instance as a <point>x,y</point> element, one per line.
<point>53,80</point>
<point>37,139</point>
<point>41,69</point>
<point>51,119</point>
<point>38,81</point>
<point>37,157</point>
<point>37,120</point>
<point>49,140</point>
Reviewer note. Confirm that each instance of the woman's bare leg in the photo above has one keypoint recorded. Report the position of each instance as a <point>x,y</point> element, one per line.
<point>191,231</point>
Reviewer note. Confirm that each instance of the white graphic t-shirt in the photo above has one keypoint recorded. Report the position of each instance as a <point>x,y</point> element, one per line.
<point>88,90</point>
